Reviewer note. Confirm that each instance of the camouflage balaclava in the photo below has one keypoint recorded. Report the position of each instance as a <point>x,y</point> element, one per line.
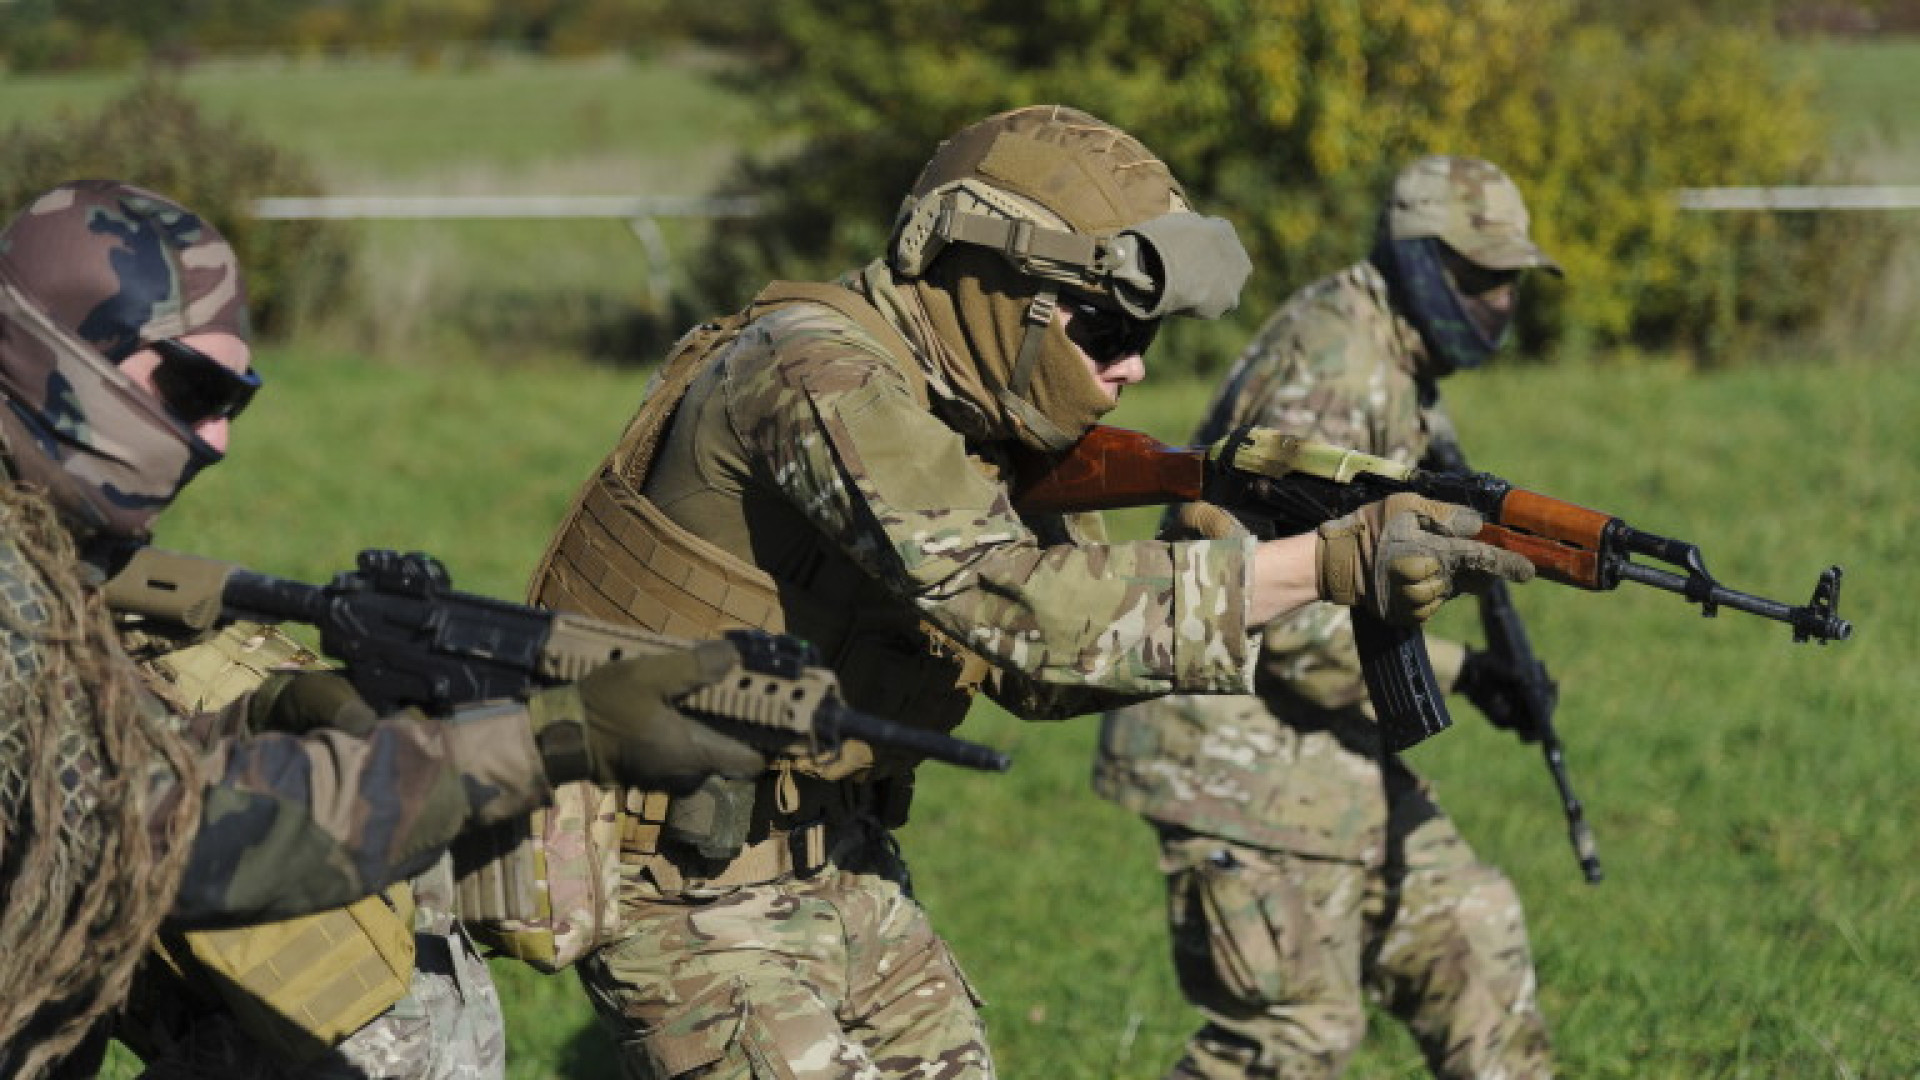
<point>1470,207</point>
<point>90,273</point>
<point>1018,206</point>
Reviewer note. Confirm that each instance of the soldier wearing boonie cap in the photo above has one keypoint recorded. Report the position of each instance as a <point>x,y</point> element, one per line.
<point>1309,873</point>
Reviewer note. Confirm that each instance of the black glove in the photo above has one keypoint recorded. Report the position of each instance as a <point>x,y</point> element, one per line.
<point>618,725</point>
<point>1496,689</point>
<point>303,701</point>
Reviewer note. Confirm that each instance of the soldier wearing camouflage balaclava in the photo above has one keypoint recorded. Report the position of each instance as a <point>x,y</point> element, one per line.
<point>1308,872</point>
<point>834,461</point>
<point>90,273</point>
<point>119,808</point>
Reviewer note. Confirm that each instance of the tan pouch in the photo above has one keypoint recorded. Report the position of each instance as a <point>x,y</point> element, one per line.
<point>302,985</point>
<point>545,890</point>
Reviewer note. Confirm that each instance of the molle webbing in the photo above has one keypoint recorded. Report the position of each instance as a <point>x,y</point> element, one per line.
<point>304,984</point>
<point>617,557</point>
<point>660,576</point>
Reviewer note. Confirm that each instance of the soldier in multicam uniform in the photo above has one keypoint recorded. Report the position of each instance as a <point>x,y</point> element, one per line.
<point>1306,868</point>
<point>123,358</point>
<point>832,462</point>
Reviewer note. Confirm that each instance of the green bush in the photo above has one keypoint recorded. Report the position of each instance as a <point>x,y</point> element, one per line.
<point>156,137</point>
<point>1290,116</point>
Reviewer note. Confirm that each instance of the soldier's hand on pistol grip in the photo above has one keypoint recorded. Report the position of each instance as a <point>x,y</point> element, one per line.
<point>1495,689</point>
<point>1405,555</point>
<point>299,701</point>
<point>618,725</point>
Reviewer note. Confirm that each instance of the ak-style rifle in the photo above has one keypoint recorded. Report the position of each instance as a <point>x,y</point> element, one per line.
<point>1535,694</point>
<point>1286,485</point>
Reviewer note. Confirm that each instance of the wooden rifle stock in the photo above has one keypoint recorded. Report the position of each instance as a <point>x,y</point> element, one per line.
<point>1110,468</point>
<point>1297,484</point>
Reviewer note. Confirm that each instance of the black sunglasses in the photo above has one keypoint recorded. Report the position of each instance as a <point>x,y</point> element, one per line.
<point>1470,277</point>
<point>1105,335</point>
<point>196,387</point>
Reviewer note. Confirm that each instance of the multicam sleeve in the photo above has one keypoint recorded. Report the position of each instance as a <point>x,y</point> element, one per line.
<point>1323,368</point>
<point>294,824</point>
<point>896,488</point>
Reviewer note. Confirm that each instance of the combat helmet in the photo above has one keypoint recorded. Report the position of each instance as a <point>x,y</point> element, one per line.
<point>90,273</point>
<point>1013,211</point>
<point>1467,206</point>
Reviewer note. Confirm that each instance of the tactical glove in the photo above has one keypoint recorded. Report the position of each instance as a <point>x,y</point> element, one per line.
<point>1495,689</point>
<point>303,701</point>
<point>1202,521</point>
<point>618,726</point>
<point>1402,557</point>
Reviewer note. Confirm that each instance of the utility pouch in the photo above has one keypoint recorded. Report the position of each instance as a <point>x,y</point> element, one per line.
<point>712,819</point>
<point>302,985</point>
<point>544,889</point>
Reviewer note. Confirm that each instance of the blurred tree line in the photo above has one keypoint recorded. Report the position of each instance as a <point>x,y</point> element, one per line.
<point>1286,116</point>
<point>1289,117</point>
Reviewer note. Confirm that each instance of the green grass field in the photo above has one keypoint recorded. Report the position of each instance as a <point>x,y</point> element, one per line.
<point>1753,799</point>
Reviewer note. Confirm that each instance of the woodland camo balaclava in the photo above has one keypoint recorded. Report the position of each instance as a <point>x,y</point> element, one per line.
<point>90,273</point>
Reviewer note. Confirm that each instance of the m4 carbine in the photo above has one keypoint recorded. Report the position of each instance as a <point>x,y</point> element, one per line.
<point>406,638</point>
<point>1284,485</point>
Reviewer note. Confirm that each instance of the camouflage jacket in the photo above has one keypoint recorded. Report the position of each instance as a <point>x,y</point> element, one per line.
<point>1296,766</point>
<point>294,824</point>
<point>805,448</point>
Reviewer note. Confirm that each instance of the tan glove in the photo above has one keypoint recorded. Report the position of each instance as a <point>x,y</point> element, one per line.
<point>1404,556</point>
<point>1203,521</point>
<point>618,725</point>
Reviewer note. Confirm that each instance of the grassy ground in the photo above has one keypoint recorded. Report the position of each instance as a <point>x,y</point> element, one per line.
<point>1752,799</point>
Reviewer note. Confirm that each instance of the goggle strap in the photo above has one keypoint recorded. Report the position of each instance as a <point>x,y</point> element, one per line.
<point>1032,247</point>
<point>1039,316</point>
<point>1040,312</point>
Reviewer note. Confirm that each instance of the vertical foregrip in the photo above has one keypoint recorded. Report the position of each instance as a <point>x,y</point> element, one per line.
<point>1407,699</point>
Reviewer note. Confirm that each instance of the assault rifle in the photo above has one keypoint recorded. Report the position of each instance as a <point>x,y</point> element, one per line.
<point>1286,485</point>
<point>1535,695</point>
<point>406,638</point>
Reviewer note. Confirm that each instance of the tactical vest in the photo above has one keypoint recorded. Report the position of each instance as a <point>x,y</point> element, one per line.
<point>617,556</point>
<point>298,986</point>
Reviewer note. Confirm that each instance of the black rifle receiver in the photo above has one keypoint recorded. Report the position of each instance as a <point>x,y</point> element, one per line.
<point>405,637</point>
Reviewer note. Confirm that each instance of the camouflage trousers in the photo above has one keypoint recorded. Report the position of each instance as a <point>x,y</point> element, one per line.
<point>1282,953</point>
<point>448,1027</point>
<point>838,975</point>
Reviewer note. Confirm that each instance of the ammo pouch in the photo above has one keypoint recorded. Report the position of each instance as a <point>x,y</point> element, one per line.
<point>544,889</point>
<point>301,985</point>
<point>794,825</point>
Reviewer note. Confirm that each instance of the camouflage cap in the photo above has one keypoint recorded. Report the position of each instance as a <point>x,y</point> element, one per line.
<point>1471,206</point>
